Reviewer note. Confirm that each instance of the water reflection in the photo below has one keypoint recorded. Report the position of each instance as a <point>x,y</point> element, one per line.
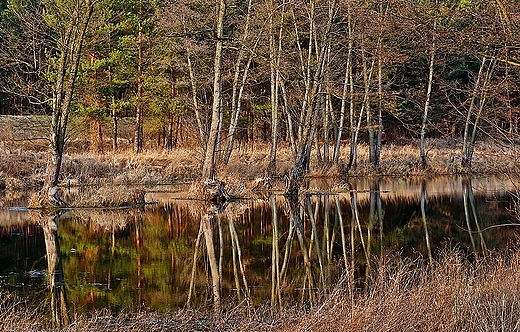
<point>55,274</point>
<point>471,215</point>
<point>207,220</point>
<point>185,253</point>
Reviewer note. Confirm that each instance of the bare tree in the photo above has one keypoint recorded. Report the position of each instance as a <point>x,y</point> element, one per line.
<point>479,96</point>
<point>275,52</point>
<point>428,96</point>
<point>208,168</point>
<point>71,32</point>
<point>312,69</point>
<point>239,82</point>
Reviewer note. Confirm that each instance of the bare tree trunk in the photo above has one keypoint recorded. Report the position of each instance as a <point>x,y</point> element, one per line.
<point>326,128</point>
<point>138,130</point>
<point>428,96</point>
<point>169,133</point>
<point>370,126</point>
<point>115,128</point>
<point>290,126</point>
<point>379,138</point>
<point>70,53</point>
<point>237,89</point>
<point>193,85</point>
<point>465,149</point>
<point>337,143</point>
<point>355,129</point>
<point>310,107</point>
<point>274,64</point>
<point>208,168</point>
<point>469,140</point>
<point>96,136</point>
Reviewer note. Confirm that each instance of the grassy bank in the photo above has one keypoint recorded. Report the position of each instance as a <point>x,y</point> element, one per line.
<point>455,293</point>
<point>23,167</point>
<point>23,158</point>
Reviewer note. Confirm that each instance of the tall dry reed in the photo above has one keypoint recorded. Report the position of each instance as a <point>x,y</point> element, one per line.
<point>456,293</point>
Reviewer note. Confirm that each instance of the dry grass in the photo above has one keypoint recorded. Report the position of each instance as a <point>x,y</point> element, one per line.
<point>456,293</point>
<point>21,167</point>
<point>408,295</point>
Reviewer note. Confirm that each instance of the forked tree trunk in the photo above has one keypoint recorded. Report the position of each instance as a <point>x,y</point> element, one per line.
<point>470,129</point>
<point>310,105</point>
<point>355,128</point>
<point>238,87</point>
<point>70,53</point>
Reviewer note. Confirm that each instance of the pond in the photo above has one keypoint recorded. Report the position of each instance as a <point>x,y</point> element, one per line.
<point>183,253</point>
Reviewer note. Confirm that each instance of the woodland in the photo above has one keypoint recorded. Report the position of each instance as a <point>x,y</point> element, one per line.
<point>226,92</point>
<point>313,76</point>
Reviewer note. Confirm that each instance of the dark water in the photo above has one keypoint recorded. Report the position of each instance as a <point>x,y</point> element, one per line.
<point>182,252</point>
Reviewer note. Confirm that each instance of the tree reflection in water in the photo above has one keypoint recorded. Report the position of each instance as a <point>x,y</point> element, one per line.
<point>56,278</point>
<point>277,250</point>
<point>207,220</point>
<point>471,215</point>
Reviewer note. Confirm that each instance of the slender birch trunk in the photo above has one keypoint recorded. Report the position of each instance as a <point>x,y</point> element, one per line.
<point>208,168</point>
<point>370,126</point>
<point>337,143</point>
<point>274,64</point>
<point>193,86</point>
<point>237,87</point>
<point>470,129</point>
<point>428,97</point>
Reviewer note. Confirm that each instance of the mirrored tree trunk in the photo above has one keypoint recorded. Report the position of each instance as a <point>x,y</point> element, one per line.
<point>56,278</point>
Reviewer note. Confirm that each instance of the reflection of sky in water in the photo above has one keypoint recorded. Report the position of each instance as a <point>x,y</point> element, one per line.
<point>121,259</point>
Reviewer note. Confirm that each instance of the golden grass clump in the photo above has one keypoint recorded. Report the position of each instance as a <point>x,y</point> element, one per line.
<point>454,294</point>
<point>17,315</point>
<point>107,196</point>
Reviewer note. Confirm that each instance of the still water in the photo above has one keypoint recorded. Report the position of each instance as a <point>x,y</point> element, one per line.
<point>181,252</point>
